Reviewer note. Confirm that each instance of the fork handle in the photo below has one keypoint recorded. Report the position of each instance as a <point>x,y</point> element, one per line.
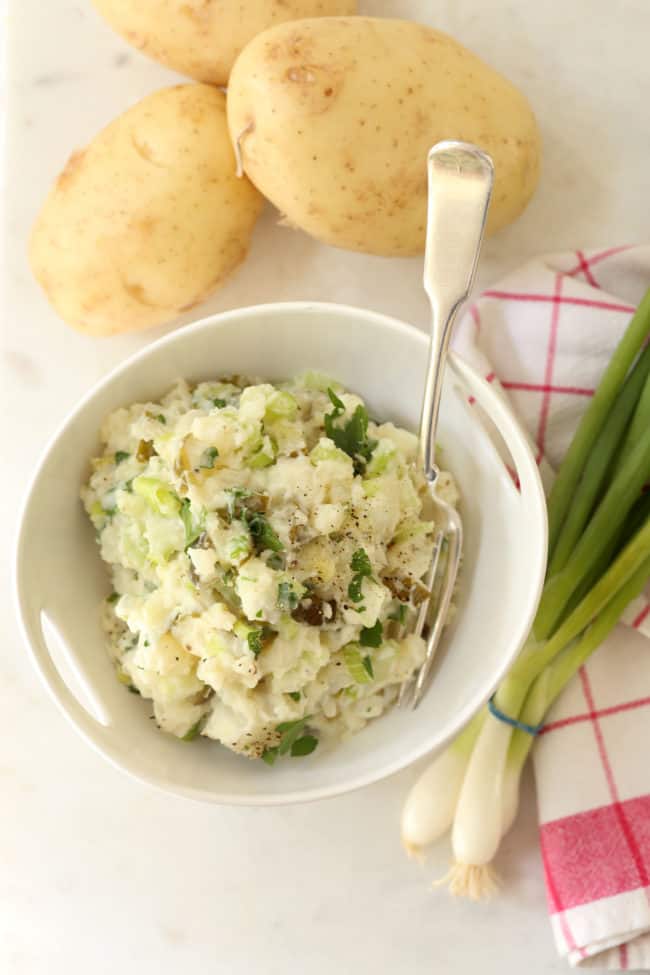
<point>460,178</point>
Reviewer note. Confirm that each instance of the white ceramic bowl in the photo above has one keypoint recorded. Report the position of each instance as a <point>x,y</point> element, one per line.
<point>61,580</point>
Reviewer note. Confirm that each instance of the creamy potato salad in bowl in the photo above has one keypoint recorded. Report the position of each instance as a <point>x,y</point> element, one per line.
<point>250,548</point>
<point>267,544</point>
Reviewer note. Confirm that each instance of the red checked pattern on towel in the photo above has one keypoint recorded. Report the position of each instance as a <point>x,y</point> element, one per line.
<point>544,335</point>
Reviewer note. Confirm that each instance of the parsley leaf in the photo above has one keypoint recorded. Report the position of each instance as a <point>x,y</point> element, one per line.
<point>292,740</point>
<point>263,535</point>
<point>258,637</point>
<point>287,597</point>
<point>352,436</point>
<point>121,455</point>
<point>208,458</point>
<point>303,746</point>
<point>360,565</point>
<point>371,636</point>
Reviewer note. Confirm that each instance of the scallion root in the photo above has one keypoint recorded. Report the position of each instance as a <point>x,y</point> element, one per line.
<point>477,883</point>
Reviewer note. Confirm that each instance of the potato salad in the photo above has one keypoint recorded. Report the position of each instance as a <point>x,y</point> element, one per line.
<point>266,545</point>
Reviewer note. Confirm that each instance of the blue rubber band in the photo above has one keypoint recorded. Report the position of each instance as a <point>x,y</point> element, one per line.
<point>530,729</point>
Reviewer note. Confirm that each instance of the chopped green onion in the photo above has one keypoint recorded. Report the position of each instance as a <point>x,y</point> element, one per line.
<point>400,614</point>
<point>288,598</point>
<point>194,731</point>
<point>592,420</point>
<point>121,455</point>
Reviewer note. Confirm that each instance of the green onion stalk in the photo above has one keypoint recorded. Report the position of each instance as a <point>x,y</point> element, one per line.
<point>599,560</point>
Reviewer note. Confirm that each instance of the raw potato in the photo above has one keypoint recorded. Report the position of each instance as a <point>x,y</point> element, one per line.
<point>147,220</point>
<point>334,118</point>
<point>202,38</point>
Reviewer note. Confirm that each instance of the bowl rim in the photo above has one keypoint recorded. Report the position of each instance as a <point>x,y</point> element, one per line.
<point>217,320</point>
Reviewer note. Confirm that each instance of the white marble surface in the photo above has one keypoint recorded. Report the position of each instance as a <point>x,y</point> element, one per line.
<point>100,874</point>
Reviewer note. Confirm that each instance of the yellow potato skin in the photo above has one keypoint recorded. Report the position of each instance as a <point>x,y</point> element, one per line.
<point>202,38</point>
<point>147,220</point>
<point>334,119</point>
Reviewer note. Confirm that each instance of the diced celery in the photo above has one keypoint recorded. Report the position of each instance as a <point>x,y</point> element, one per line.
<point>317,380</point>
<point>355,665</point>
<point>380,460</point>
<point>281,405</point>
<point>157,494</point>
<point>326,450</point>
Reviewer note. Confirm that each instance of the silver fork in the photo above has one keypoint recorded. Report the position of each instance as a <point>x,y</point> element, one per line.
<point>460,178</point>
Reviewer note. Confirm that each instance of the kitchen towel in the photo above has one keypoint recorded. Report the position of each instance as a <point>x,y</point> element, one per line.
<point>544,336</point>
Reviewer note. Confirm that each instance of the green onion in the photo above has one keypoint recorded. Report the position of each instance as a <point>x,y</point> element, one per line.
<point>121,455</point>
<point>598,464</point>
<point>592,420</point>
<point>288,598</point>
<point>604,524</point>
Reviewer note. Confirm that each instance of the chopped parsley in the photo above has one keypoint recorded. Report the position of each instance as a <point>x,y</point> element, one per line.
<point>208,458</point>
<point>263,535</point>
<point>352,435</point>
<point>360,565</point>
<point>371,636</point>
<point>294,695</point>
<point>121,455</point>
<point>292,740</point>
<point>219,403</point>
<point>367,666</point>
<point>161,419</point>
<point>113,598</point>
<point>303,746</point>
<point>257,638</point>
<point>288,598</point>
